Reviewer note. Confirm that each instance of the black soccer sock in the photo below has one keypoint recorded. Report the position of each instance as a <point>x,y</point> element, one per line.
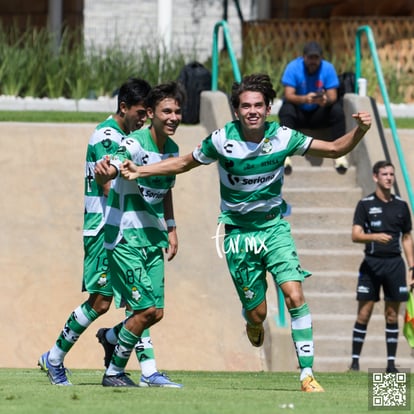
<point>358,337</point>
<point>391,337</point>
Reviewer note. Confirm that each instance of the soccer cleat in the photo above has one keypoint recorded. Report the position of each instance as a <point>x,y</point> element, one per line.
<point>108,347</point>
<point>309,384</point>
<point>56,374</point>
<point>255,334</point>
<point>118,380</point>
<point>158,379</point>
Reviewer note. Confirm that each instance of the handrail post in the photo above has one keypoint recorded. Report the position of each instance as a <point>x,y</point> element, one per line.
<point>280,318</point>
<point>215,55</point>
<point>373,49</point>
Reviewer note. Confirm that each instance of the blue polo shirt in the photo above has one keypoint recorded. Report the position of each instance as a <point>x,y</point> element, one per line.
<point>296,76</point>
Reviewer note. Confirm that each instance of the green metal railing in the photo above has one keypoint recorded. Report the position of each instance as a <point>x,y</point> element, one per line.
<point>373,49</point>
<point>280,318</point>
<point>215,55</point>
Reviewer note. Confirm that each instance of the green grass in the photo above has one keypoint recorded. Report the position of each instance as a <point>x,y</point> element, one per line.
<point>29,391</point>
<point>51,116</point>
<point>96,117</point>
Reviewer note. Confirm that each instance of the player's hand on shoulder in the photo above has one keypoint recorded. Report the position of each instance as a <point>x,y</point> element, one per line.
<point>129,170</point>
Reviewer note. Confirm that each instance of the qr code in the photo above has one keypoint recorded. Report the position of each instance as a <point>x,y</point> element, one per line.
<point>389,390</point>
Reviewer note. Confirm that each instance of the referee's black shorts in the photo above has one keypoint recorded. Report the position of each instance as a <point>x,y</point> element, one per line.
<point>388,272</point>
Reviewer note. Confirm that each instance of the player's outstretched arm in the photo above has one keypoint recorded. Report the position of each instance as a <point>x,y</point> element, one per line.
<point>344,144</point>
<point>170,166</point>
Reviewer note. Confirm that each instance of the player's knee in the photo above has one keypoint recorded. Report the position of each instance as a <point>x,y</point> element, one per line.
<point>100,304</point>
<point>257,315</point>
<point>159,314</point>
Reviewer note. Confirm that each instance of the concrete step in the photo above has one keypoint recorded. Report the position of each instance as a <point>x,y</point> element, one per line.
<point>322,238</point>
<point>321,217</point>
<point>341,303</point>
<point>319,177</point>
<point>332,260</point>
<point>332,196</point>
<point>375,362</point>
<point>341,345</point>
<point>338,324</point>
<point>314,162</point>
<point>331,281</point>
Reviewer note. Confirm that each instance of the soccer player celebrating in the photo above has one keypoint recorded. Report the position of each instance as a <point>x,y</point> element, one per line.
<point>139,225</point>
<point>250,153</point>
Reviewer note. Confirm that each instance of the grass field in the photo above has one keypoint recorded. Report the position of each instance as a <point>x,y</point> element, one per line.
<point>29,391</point>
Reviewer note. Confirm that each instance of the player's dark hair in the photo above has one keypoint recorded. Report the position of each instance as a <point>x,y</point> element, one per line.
<point>173,90</point>
<point>257,82</point>
<point>381,164</point>
<point>133,92</point>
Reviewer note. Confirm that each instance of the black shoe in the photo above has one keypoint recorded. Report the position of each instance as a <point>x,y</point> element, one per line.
<point>354,366</point>
<point>108,347</point>
<point>392,369</point>
<point>118,380</point>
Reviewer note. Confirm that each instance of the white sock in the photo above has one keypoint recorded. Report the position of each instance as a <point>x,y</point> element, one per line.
<point>56,356</point>
<point>305,372</point>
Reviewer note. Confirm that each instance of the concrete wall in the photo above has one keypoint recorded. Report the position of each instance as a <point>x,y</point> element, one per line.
<point>134,25</point>
<point>41,259</point>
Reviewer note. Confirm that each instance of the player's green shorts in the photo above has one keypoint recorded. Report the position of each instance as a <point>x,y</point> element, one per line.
<point>251,253</point>
<point>96,278</point>
<point>137,276</point>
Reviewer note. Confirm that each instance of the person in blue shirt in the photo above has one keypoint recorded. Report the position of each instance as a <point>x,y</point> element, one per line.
<point>310,99</point>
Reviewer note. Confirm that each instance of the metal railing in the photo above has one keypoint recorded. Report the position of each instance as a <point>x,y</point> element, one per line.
<point>215,54</point>
<point>373,49</point>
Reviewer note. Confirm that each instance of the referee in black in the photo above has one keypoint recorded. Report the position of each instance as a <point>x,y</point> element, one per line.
<point>382,221</point>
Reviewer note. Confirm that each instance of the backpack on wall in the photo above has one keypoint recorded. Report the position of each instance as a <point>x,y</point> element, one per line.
<point>346,84</point>
<point>195,78</point>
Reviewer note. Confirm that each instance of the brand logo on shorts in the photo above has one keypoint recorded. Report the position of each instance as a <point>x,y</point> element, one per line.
<point>135,294</point>
<point>102,280</point>
<point>363,289</point>
<point>248,294</point>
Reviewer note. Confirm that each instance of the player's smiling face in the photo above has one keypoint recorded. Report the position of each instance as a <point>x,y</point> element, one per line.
<point>166,117</point>
<point>252,111</point>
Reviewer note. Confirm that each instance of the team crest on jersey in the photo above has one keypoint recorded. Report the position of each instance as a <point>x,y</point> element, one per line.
<point>267,146</point>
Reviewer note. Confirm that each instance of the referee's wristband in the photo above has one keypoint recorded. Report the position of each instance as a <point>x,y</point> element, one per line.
<point>170,223</point>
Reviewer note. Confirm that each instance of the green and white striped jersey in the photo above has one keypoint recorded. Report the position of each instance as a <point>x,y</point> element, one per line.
<point>104,140</point>
<point>251,174</point>
<point>135,209</point>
